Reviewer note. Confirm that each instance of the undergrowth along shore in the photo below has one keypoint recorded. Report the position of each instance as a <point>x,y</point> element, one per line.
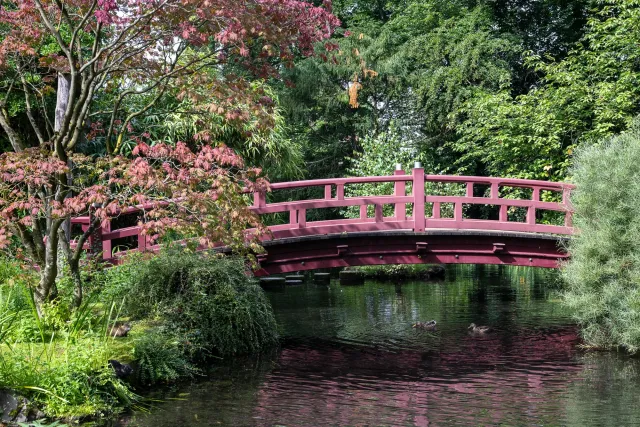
<point>183,309</point>
<point>401,271</point>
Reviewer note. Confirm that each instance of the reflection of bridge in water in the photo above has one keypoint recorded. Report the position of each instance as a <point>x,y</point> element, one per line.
<point>426,219</point>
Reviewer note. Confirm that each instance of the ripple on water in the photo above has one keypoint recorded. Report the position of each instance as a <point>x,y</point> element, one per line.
<point>349,357</point>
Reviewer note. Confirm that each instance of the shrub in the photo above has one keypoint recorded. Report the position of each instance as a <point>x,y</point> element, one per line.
<point>160,358</point>
<point>209,301</point>
<point>603,275</point>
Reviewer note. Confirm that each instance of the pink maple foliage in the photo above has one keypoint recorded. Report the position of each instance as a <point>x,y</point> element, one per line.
<point>114,51</point>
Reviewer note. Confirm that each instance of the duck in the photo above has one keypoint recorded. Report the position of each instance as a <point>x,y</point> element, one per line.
<point>429,326</point>
<point>478,329</point>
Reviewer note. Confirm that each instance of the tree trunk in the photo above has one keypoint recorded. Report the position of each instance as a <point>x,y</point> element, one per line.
<point>47,283</point>
<point>46,289</point>
<point>62,101</point>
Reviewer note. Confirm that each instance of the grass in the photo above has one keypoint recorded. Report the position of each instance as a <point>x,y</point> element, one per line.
<point>185,309</point>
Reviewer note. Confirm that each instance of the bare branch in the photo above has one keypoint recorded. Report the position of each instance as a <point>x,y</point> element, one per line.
<point>55,33</point>
<point>32,120</point>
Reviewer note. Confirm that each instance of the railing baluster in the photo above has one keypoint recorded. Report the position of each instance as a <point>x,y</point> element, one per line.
<point>495,190</point>
<point>302,218</point>
<point>293,216</point>
<point>142,241</point>
<point>469,189</point>
<point>457,212</point>
<point>363,211</point>
<point>568,216</point>
<point>327,191</point>
<point>106,244</point>
<point>400,190</point>
<point>568,219</point>
<point>503,216</point>
<point>531,215</point>
<point>340,192</point>
<point>418,200</point>
<point>378,212</point>
<point>436,210</point>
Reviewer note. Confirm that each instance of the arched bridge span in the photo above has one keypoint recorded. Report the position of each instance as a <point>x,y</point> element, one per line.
<point>419,219</point>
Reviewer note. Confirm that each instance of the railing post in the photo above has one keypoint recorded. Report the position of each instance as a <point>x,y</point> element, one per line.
<point>106,244</point>
<point>418,199</point>
<point>400,190</point>
<point>143,241</point>
<point>531,210</point>
<point>259,199</point>
<point>95,238</point>
<point>568,216</point>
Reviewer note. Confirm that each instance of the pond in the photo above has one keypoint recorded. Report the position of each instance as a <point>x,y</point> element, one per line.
<point>350,357</point>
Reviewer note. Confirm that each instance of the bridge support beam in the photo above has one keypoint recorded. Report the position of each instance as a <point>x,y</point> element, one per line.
<point>400,247</point>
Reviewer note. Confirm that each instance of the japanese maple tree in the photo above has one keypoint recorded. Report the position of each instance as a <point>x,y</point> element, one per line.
<point>113,62</point>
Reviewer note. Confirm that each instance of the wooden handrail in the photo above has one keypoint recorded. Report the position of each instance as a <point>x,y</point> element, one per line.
<point>417,220</point>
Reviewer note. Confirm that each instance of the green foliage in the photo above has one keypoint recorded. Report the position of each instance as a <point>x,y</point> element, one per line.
<point>262,146</point>
<point>395,271</point>
<point>591,94</point>
<point>160,357</point>
<point>208,301</point>
<point>442,54</point>
<point>603,275</point>
<point>56,359</point>
<point>379,156</point>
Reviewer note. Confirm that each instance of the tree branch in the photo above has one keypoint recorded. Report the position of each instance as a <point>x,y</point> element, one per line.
<point>30,116</point>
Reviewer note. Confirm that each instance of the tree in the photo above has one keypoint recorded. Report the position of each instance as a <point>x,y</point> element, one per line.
<point>122,59</point>
<point>588,96</point>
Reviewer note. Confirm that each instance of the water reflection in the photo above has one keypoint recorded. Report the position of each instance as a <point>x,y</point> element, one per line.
<point>350,358</point>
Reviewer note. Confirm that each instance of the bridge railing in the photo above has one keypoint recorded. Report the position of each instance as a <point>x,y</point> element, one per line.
<point>409,189</point>
<point>414,207</point>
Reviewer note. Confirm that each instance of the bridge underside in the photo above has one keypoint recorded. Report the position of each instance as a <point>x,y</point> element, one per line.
<point>440,246</point>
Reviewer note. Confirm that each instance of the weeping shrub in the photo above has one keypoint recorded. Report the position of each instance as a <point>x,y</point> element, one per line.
<point>160,357</point>
<point>210,302</point>
<point>603,275</point>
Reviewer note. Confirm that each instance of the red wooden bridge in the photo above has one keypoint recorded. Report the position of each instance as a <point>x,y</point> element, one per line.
<point>423,219</point>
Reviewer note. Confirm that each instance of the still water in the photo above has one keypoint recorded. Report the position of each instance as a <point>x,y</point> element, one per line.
<point>350,357</point>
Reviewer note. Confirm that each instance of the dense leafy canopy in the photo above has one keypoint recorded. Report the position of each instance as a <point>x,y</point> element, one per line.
<point>117,63</point>
<point>506,88</point>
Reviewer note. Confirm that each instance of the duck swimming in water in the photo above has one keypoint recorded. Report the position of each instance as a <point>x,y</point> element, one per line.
<point>478,329</point>
<point>429,326</point>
